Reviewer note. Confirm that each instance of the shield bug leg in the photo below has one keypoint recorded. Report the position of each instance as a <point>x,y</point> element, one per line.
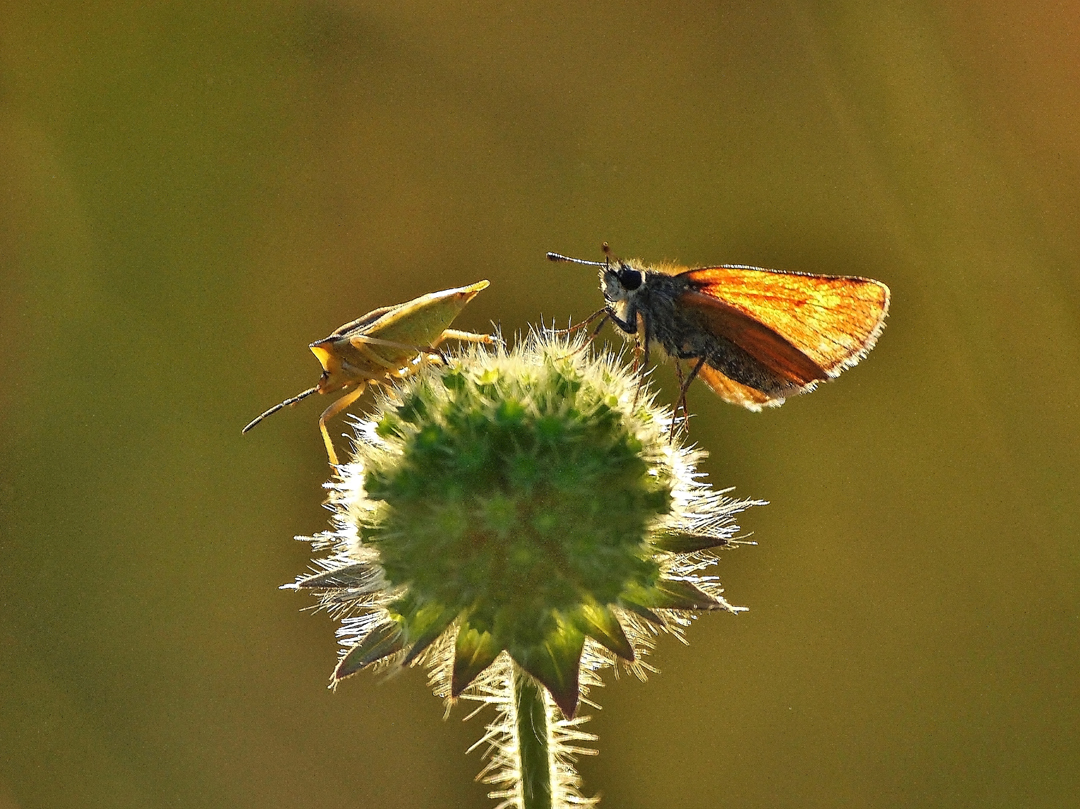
<point>448,334</point>
<point>462,337</point>
<point>466,337</point>
<point>333,410</point>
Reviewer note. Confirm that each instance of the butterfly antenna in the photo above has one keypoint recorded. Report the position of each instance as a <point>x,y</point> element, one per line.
<point>569,260</point>
<point>278,407</point>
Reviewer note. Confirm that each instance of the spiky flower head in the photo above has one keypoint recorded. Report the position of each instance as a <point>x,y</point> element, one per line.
<point>526,502</point>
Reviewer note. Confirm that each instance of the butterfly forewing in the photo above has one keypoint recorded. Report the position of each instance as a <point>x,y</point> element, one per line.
<point>832,320</point>
<point>782,359</point>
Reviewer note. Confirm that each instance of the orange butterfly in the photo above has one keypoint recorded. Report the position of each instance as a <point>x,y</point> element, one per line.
<point>757,335</point>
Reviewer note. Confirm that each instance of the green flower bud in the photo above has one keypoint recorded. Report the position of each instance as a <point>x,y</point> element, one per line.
<point>527,503</point>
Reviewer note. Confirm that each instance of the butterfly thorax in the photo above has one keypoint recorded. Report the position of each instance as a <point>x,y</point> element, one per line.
<point>641,302</point>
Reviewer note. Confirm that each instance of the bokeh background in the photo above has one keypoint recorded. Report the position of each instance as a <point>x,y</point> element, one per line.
<point>192,192</point>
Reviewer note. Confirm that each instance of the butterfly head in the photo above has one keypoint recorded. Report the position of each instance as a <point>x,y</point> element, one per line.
<point>620,280</point>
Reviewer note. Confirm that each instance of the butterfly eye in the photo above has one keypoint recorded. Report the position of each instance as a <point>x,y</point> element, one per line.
<point>630,279</point>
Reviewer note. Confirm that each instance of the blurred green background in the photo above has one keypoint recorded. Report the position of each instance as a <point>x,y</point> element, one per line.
<point>190,193</point>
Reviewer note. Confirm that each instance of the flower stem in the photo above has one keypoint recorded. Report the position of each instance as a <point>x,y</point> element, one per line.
<point>533,728</point>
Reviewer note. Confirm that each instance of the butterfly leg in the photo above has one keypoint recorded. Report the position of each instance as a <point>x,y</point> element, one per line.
<point>641,360</point>
<point>684,386</point>
<point>582,324</point>
<point>599,325</point>
<point>680,402</point>
<point>595,331</point>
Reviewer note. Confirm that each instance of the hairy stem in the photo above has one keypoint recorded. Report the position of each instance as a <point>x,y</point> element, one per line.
<point>533,727</point>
